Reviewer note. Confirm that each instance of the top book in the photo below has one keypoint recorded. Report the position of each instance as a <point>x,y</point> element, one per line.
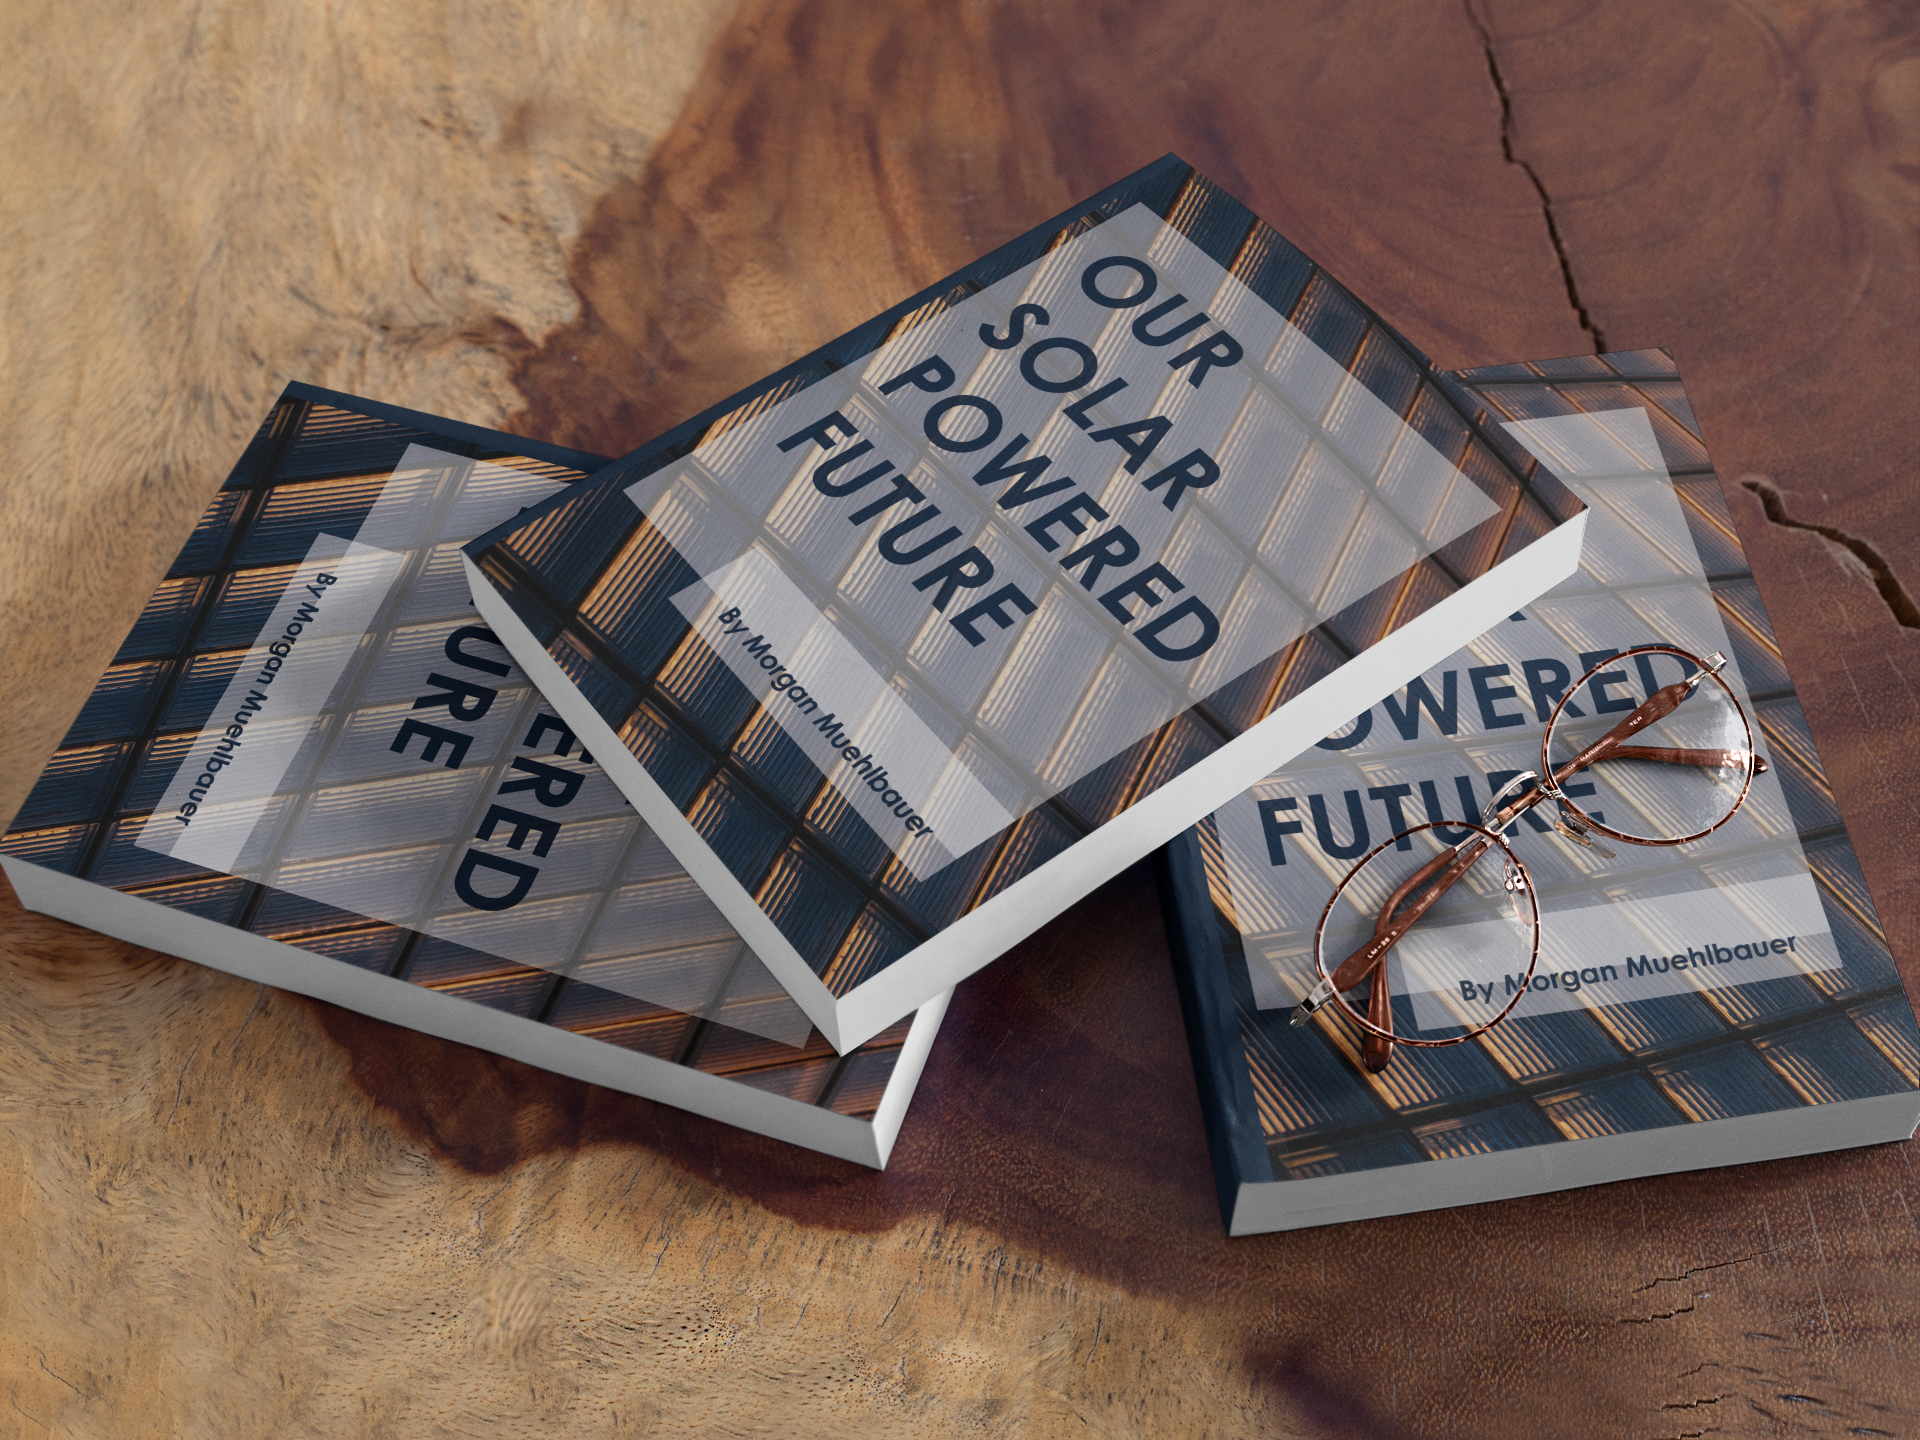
<point>911,644</point>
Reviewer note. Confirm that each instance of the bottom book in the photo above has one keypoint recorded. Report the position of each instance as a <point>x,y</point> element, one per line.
<point>1726,1000</point>
<point>849,1106</point>
<point>309,765</point>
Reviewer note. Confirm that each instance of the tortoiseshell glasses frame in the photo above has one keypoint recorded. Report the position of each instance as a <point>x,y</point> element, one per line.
<point>1415,895</point>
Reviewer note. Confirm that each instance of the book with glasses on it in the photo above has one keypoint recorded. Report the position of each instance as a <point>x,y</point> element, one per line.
<point>1724,1000</point>
<point>312,765</point>
<point>909,645</point>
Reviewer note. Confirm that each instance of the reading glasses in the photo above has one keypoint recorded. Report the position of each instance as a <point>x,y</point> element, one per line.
<point>1464,939</point>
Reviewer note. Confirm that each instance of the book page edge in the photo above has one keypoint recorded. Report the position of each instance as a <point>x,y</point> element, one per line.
<point>1262,1207</point>
<point>286,967</point>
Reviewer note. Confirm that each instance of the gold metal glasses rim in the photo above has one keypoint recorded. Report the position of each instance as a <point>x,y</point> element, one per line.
<point>1369,963</point>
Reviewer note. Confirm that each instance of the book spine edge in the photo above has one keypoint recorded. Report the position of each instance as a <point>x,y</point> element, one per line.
<point>1227,1106</point>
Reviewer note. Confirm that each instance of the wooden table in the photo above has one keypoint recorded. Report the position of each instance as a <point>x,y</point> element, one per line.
<point>228,1211</point>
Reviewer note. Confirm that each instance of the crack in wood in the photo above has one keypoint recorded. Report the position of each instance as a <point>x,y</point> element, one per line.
<point>1696,1404</point>
<point>180,1085</point>
<point>1662,1315</point>
<point>1702,1269</point>
<point>1884,580</point>
<point>1580,311</point>
<point>56,1374</point>
<point>13,1397</point>
<point>259,1003</point>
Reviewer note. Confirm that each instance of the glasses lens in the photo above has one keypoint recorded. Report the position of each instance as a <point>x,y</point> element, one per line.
<point>1678,777</point>
<point>1462,963</point>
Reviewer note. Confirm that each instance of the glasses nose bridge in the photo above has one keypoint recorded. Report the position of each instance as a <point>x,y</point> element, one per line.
<point>1375,1021</point>
<point>1519,782</point>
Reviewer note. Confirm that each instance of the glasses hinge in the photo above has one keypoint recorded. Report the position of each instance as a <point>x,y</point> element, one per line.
<point>1316,997</point>
<point>1714,663</point>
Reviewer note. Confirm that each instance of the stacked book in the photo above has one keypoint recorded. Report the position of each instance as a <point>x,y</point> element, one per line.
<point>707,772</point>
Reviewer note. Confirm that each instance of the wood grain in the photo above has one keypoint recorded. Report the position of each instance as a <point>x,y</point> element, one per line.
<point>202,202</point>
<point>232,1212</point>
<point>1756,213</point>
<point>836,158</point>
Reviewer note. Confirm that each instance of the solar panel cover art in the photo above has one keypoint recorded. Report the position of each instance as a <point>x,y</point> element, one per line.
<point>309,736</point>
<point>1741,975</point>
<point>894,630</point>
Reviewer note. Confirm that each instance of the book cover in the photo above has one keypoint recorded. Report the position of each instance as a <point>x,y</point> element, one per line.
<point>312,765</point>
<point>1727,1000</point>
<point>909,645</point>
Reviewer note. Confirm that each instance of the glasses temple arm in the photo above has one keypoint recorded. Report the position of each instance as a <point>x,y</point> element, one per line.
<point>1706,759</point>
<point>1657,706</point>
<point>1389,927</point>
<point>1370,958</point>
<point>1376,1051</point>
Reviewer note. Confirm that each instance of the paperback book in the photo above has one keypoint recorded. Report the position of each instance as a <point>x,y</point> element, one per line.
<point>1726,1000</point>
<point>311,764</point>
<point>906,647</point>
